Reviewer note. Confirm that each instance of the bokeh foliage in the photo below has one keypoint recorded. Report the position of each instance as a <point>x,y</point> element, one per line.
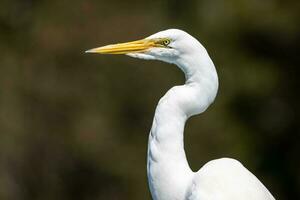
<point>75,126</point>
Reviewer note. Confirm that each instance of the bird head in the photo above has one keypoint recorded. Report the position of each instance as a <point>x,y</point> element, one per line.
<point>167,46</point>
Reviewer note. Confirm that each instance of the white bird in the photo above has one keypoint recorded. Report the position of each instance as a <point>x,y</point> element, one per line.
<point>169,174</point>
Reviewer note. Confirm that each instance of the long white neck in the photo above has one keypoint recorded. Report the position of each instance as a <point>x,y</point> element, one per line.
<point>169,173</point>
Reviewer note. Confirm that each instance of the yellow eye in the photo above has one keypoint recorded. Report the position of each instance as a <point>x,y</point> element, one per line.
<point>166,42</point>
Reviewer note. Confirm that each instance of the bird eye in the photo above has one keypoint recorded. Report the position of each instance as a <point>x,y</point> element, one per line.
<point>166,42</point>
<point>163,42</point>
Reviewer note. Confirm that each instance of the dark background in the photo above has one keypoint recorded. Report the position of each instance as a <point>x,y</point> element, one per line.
<point>75,126</point>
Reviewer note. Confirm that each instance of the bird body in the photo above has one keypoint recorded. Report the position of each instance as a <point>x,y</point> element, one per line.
<point>225,179</point>
<point>169,174</point>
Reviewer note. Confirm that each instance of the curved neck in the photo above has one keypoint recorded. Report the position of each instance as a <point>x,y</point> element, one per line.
<point>168,169</point>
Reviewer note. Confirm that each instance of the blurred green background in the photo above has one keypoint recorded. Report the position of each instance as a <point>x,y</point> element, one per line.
<point>75,126</point>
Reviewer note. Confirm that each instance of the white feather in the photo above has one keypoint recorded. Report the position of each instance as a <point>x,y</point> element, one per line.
<point>169,175</point>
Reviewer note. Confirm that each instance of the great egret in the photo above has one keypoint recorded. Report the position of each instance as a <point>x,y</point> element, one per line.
<point>169,175</point>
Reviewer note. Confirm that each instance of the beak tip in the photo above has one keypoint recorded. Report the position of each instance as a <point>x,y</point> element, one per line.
<point>89,51</point>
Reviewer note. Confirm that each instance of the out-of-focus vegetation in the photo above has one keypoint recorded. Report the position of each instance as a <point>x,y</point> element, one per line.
<point>75,126</point>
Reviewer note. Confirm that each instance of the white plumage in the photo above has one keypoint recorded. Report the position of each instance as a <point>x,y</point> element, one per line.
<point>169,175</point>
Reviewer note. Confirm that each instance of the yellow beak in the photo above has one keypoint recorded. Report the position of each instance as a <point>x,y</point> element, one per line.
<point>124,48</point>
